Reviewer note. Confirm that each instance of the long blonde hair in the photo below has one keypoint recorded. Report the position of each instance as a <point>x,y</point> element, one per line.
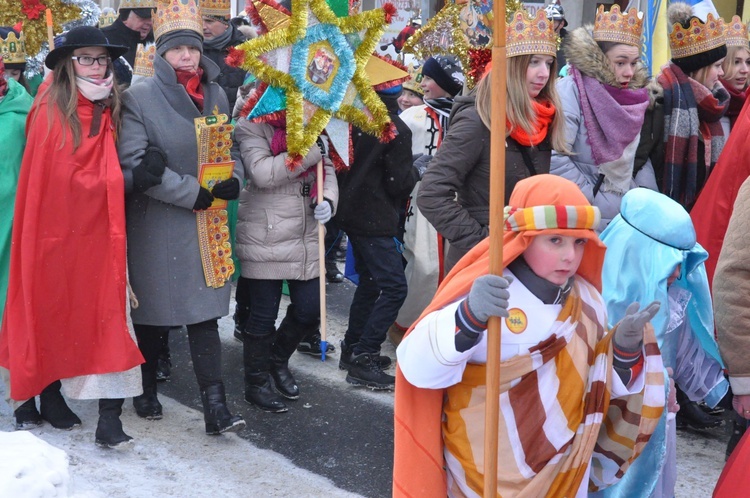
<point>519,109</point>
<point>62,97</point>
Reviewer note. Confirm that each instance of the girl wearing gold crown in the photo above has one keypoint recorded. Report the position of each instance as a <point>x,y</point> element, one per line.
<point>605,102</point>
<point>736,69</point>
<point>454,195</point>
<point>178,264</point>
<point>694,103</point>
<point>65,317</point>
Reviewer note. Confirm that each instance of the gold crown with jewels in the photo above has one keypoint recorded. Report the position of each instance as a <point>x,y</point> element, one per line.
<point>13,48</point>
<point>144,60</point>
<point>697,38</point>
<point>735,33</point>
<point>175,15</point>
<point>107,19</point>
<point>216,8</point>
<point>618,27</point>
<point>138,4</point>
<point>527,35</point>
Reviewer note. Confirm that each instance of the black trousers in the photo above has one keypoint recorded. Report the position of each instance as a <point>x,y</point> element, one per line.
<point>205,349</point>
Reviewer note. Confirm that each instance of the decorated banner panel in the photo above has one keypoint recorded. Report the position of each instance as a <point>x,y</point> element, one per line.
<point>315,68</point>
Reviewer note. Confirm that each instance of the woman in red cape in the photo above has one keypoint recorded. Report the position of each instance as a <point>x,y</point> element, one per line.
<point>65,312</point>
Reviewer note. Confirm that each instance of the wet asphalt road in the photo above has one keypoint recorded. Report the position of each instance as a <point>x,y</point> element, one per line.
<point>334,430</point>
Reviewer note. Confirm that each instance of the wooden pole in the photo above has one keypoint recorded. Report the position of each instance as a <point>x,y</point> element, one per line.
<point>50,33</point>
<point>322,263</point>
<point>497,202</point>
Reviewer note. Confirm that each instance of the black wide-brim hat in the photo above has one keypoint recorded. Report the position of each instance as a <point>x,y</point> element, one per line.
<point>80,37</point>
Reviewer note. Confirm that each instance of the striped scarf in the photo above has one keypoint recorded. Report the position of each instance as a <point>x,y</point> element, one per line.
<point>547,439</point>
<point>691,113</point>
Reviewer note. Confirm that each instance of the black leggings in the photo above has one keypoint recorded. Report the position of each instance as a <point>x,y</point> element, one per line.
<point>205,349</point>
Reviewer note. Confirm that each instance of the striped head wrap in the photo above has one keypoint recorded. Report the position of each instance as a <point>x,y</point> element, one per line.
<point>551,217</point>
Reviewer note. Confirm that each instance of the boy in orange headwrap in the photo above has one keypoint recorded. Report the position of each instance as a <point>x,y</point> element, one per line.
<point>567,425</point>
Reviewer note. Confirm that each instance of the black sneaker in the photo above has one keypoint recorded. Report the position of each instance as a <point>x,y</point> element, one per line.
<point>347,356</point>
<point>365,371</point>
<point>27,416</point>
<point>311,345</point>
<point>691,415</point>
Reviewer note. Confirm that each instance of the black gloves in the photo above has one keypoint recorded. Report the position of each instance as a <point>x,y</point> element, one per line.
<point>148,174</point>
<point>204,200</point>
<point>227,189</point>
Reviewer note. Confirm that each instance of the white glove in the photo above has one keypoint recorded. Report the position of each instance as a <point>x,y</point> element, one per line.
<point>323,211</point>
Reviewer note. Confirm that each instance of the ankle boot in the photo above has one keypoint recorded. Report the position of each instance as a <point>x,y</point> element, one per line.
<point>289,335</point>
<point>54,410</point>
<point>215,411</point>
<point>258,385</point>
<point>27,417</point>
<point>147,405</point>
<point>109,433</point>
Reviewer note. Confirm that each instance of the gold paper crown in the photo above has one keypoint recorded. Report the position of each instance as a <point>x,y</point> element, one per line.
<point>697,38</point>
<point>137,4</point>
<point>217,8</point>
<point>618,27</point>
<point>174,15</point>
<point>526,35</point>
<point>735,33</point>
<point>144,60</point>
<point>107,19</point>
<point>13,49</point>
<point>414,68</point>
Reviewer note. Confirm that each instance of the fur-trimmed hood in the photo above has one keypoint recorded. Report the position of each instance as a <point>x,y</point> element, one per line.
<point>582,51</point>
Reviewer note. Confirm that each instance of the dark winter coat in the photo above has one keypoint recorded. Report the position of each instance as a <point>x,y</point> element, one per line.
<point>455,191</point>
<point>164,260</point>
<point>373,192</point>
<point>230,78</point>
<point>119,34</point>
<point>651,145</point>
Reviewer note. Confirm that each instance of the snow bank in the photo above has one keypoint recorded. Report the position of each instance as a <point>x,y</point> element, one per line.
<point>31,467</point>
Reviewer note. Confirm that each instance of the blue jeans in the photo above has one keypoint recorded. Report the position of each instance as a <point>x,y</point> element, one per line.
<point>379,295</point>
<point>265,298</point>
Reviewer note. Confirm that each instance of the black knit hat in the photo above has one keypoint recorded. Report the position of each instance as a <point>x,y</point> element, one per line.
<point>692,63</point>
<point>446,71</point>
<point>80,37</point>
<point>178,37</point>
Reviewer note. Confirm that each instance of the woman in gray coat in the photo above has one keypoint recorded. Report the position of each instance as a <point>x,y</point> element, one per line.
<point>277,240</point>
<point>164,254</point>
<point>604,100</point>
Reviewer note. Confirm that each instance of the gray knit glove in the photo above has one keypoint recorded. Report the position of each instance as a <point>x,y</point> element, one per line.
<point>489,297</point>
<point>629,333</point>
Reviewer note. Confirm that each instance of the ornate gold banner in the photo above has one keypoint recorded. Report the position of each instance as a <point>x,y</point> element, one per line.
<point>214,137</point>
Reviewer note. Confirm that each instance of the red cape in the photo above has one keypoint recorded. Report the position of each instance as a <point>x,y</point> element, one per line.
<point>715,204</point>
<point>65,313</point>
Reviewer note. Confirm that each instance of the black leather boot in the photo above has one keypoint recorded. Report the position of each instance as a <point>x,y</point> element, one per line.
<point>259,389</point>
<point>290,333</point>
<point>215,411</point>
<point>54,410</point>
<point>109,433</point>
<point>27,417</point>
<point>147,405</point>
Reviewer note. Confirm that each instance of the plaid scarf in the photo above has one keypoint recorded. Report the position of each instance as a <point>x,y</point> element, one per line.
<point>691,113</point>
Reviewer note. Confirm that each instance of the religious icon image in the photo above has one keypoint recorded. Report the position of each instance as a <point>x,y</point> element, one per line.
<point>321,66</point>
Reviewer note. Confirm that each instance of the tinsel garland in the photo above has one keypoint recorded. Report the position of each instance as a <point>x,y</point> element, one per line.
<point>66,14</point>
<point>366,110</point>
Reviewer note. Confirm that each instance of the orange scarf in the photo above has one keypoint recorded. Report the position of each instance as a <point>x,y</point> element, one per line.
<point>545,113</point>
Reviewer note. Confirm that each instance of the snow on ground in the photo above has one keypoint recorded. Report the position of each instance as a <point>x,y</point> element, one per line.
<point>171,458</point>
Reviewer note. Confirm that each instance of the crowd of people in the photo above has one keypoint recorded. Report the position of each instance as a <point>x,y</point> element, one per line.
<point>126,188</point>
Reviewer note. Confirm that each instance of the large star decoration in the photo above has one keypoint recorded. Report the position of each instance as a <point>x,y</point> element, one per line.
<point>31,14</point>
<point>318,61</point>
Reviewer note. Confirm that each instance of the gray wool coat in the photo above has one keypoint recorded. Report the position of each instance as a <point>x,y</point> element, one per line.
<point>164,261</point>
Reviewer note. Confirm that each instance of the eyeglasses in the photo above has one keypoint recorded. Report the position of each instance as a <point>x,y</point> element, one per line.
<point>86,60</point>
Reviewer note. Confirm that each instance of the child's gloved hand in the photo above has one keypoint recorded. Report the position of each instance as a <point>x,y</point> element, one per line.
<point>489,297</point>
<point>629,334</point>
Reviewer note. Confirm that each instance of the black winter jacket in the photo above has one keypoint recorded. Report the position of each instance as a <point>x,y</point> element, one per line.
<point>230,78</point>
<point>119,34</point>
<point>374,191</point>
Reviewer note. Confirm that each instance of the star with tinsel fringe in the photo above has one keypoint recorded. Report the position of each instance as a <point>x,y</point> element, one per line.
<point>463,29</point>
<point>31,14</point>
<point>318,62</point>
